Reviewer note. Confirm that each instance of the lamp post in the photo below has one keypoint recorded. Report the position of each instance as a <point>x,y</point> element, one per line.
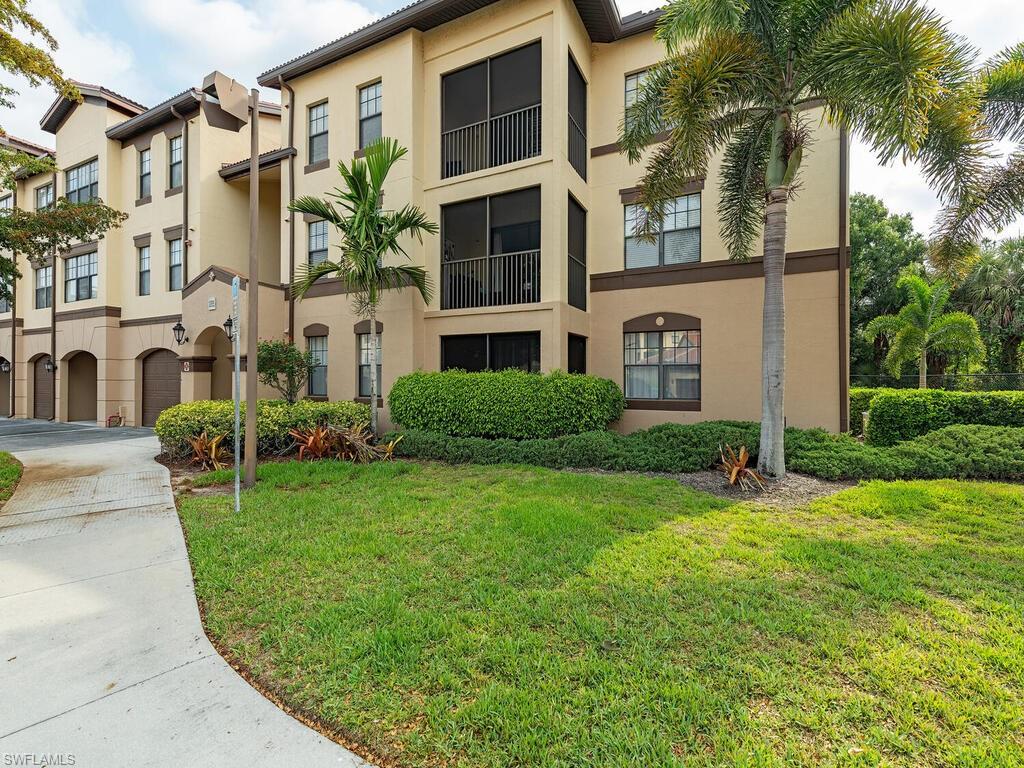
<point>251,331</point>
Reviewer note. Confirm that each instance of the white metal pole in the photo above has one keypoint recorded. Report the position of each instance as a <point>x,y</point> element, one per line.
<point>235,328</point>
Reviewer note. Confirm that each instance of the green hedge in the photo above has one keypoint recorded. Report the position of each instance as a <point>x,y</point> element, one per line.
<point>504,404</point>
<point>860,401</point>
<point>904,414</point>
<point>273,420</point>
<point>964,452</point>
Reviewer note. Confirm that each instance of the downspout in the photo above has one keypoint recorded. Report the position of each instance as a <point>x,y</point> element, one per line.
<point>291,214</point>
<point>53,317</point>
<point>185,237</point>
<point>13,391</point>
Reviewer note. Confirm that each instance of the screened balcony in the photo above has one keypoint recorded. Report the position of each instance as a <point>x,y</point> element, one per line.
<point>491,112</point>
<point>577,120</point>
<point>491,251</point>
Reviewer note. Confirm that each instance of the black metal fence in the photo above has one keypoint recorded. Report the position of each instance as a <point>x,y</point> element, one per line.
<point>961,382</point>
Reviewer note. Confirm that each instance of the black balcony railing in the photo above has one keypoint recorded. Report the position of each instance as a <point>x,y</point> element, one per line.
<point>496,141</point>
<point>577,283</point>
<point>491,281</point>
<point>577,148</point>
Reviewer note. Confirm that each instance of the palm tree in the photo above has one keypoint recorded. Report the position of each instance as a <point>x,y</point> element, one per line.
<point>998,197</point>
<point>739,77</point>
<point>923,327</point>
<point>993,293</point>
<point>369,233</point>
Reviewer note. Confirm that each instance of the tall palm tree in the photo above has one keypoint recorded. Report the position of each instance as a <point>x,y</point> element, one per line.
<point>369,233</point>
<point>739,77</point>
<point>923,326</point>
<point>998,198</point>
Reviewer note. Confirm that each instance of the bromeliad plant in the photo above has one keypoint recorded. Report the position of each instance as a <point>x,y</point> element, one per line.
<point>740,77</point>
<point>369,234</point>
<point>355,443</point>
<point>209,453</point>
<point>736,470</point>
<point>316,442</point>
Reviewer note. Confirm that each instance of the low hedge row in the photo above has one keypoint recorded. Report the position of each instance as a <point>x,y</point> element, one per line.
<point>899,415</point>
<point>860,403</point>
<point>274,418</point>
<point>511,403</point>
<point>964,452</point>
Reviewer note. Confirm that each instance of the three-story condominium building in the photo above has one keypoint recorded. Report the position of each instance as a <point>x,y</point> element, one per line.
<point>510,110</point>
<point>93,333</point>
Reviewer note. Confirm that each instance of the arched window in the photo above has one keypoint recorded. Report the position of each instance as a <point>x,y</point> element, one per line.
<point>662,358</point>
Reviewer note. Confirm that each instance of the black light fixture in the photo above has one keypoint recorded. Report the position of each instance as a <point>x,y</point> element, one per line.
<point>49,365</point>
<point>179,333</point>
<point>5,366</point>
<point>229,326</point>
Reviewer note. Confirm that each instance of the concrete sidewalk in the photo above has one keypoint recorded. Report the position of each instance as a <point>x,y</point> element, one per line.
<point>102,654</point>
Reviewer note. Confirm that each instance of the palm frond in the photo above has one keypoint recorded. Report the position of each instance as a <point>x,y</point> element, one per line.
<point>742,199</point>
<point>314,206</point>
<point>1003,82</point>
<point>881,66</point>
<point>686,20</point>
<point>307,274</point>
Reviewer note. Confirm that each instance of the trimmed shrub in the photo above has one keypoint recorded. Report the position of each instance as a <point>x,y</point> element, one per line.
<point>274,419</point>
<point>904,414</point>
<point>504,404</point>
<point>962,452</point>
<point>860,401</point>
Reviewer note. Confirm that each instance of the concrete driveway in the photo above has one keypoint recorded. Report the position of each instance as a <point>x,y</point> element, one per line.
<point>103,660</point>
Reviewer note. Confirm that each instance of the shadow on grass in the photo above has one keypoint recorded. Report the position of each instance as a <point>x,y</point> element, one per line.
<point>512,616</point>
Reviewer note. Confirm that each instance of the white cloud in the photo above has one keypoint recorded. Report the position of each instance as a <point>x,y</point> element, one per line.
<point>244,39</point>
<point>86,54</point>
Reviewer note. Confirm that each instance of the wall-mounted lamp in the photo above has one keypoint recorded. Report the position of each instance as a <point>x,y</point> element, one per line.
<point>179,333</point>
<point>229,326</point>
<point>5,366</point>
<point>50,365</point>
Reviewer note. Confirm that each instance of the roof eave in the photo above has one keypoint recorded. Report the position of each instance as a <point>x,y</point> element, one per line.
<point>153,117</point>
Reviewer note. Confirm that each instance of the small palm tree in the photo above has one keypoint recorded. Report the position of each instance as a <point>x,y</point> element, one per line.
<point>923,327</point>
<point>369,233</point>
<point>739,78</point>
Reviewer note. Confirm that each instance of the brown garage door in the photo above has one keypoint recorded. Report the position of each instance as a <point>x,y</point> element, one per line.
<point>161,384</point>
<point>42,391</point>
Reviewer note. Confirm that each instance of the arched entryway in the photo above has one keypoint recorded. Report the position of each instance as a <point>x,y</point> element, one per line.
<point>5,389</point>
<point>214,346</point>
<point>42,389</point>
<point>81,372</point>
<point>161,384</point>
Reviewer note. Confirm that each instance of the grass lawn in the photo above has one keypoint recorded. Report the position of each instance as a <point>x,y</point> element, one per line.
<point>10,474</point>
<point>508,616</point>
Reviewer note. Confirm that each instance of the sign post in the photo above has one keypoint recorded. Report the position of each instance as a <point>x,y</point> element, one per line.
<point>235,328</point>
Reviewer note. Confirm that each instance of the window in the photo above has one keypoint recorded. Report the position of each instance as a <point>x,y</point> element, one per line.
<point>577,354</point>
<point>494,351</point>
<point>145,175</point>
<point>577,256</point>
<point>577,119</point>
<point>6,202</point>
<point>44,196</point>
<point>82,183</point>
<point>316,242</point>
<point>317,384</point>
<point>369,115</point>
<point>318,133</point>
<point>5,303</point>
<point>364,365</point>
<point>678,242</point>
<point>174,163</point>
<point>174,265</point>
<point>634,83</point>
<point>662,365</point>
<point>144,270</point>
<point>80,278</point>
<point>44,287</point>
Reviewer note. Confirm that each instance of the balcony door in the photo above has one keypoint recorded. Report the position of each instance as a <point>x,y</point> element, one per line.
<point>490,112</point>
<point>491,251</point>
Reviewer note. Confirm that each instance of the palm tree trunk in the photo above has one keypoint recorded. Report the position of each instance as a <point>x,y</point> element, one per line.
<point>373,371</point>
<point>771,459</point>
<point>922,371</point>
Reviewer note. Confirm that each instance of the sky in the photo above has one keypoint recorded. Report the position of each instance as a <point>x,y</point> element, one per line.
<point>149,50</point>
